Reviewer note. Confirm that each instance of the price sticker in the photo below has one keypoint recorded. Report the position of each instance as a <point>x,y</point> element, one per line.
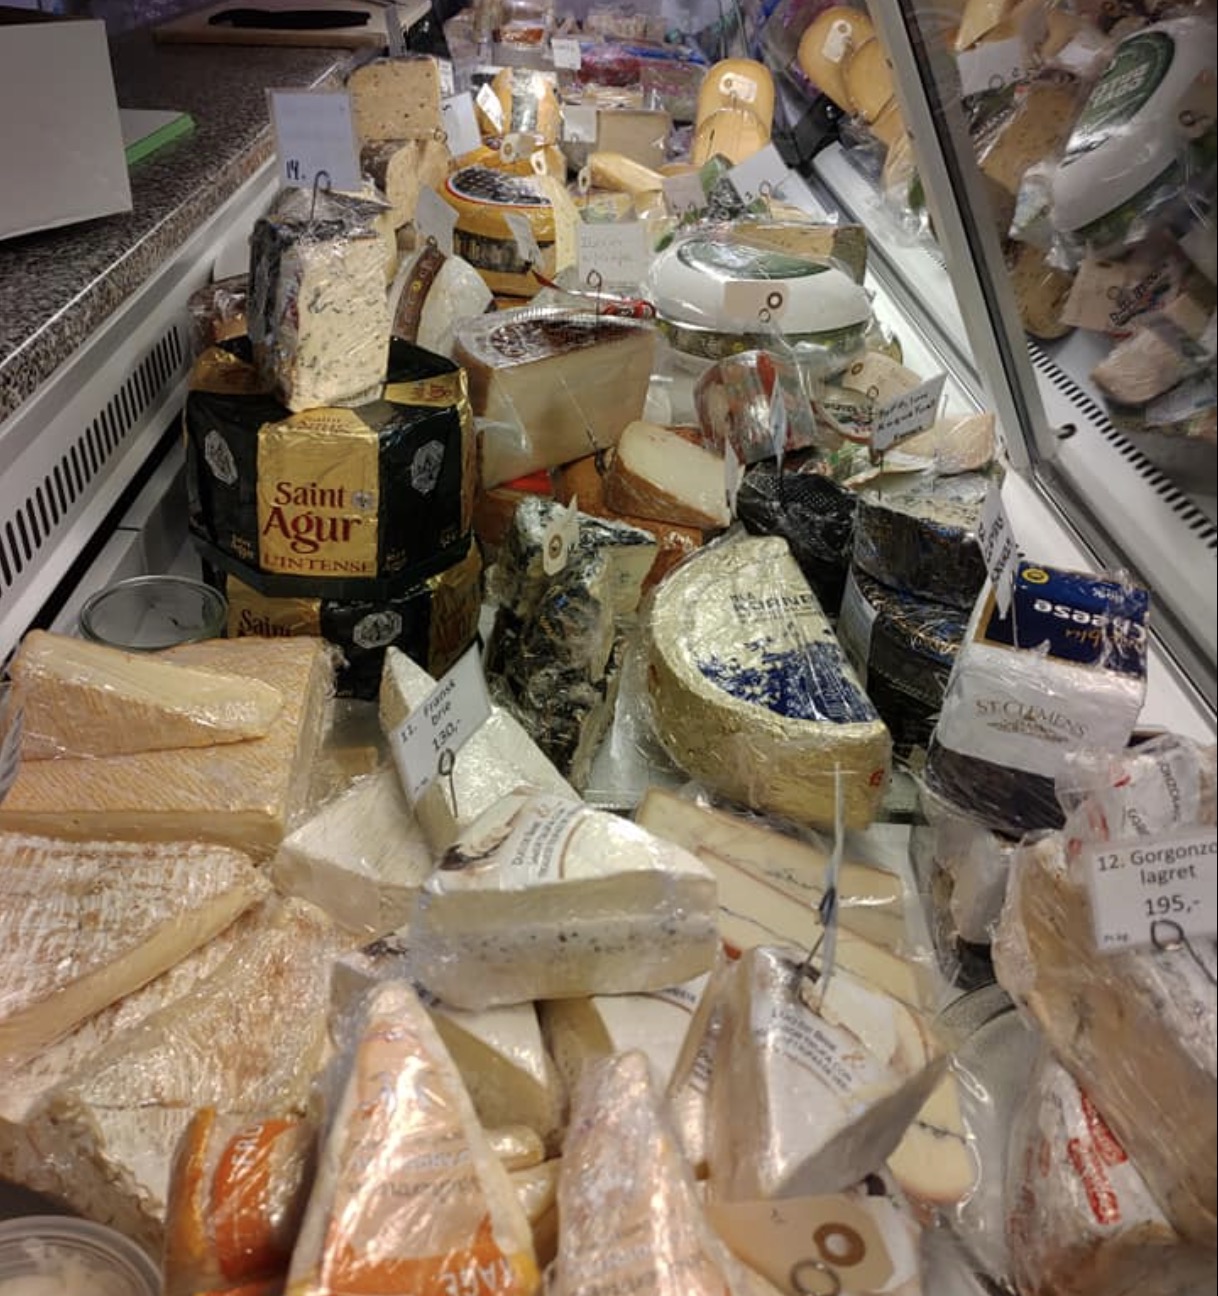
<point>442,723</point>
<point>616,252</point>
<point>731,477</point>
<point>754,299</point>
<point>566,53</point>
<point>763,173</point>
<point>461,124</point>
<point>560,539</point>
<point>907,413</point>
<point>448,83</point>
<point>315,132</point>
<point>998,548</point>
<point>526,240</point>
<point>684,194</point>
<point>1153,891</point>
<point>488,101</point>
<point>435,219</point>
<point>990,66</point>
<point>580,123</point>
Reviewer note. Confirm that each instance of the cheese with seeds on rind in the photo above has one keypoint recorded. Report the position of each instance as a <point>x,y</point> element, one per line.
<point>361,857</point>
<point>627,1203</point>
<point>751,693</point>
<point>86,699</point>
<point>498,758</point>
<point>658,473</point>
<point>245,794</point>
<point>545,898</point>
<point>249,1038</point>
<point>408,1194</point>
<point>396,98</point>
<point>810,1098</point>
<point>84,923</point>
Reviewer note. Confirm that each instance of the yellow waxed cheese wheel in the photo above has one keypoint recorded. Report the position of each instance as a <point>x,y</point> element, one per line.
<point>733,133</point>
<point>868,79</point>
<point>737,83</point>
<point>825,48</point>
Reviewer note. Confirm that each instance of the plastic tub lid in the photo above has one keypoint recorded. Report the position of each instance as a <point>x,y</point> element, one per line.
<point>74,1257</point>
<point>146,613</point>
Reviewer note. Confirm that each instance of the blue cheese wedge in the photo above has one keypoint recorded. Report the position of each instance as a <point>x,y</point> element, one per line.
<point>546,898</point>
<point>751,693</point>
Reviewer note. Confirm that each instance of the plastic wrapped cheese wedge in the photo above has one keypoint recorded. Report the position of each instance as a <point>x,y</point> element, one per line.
<point>630,1219</point>
<point>85,699</point>
<point>361,857</point>
<point>545,898</point>
<point>499,758</point>
<point>537,1189</point>
<point>408,1195</point>
<point>84,923</point>
<point>810,1099</point>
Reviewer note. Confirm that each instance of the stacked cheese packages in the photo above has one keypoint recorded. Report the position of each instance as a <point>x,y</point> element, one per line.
<point>330,470</point>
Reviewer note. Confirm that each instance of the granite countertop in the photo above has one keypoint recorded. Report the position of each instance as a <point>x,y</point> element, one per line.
<point>60,285</point>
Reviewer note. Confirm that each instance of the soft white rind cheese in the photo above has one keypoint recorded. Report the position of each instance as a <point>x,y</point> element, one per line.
<point>545,898</point>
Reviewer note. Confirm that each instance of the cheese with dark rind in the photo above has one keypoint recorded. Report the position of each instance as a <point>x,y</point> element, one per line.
<point>751,693</point>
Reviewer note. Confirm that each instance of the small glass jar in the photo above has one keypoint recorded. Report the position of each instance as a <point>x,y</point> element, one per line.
<point>147,613</point>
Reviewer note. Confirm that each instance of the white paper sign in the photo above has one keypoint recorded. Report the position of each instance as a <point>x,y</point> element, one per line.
<point>561,537</point>
<point>488,101</point>
<point>998,548</point>
<point>315,132</point>
<point>435,219</point>
<point>442,723</point>
<point>684,194</point>
<point>579,123</point>
<point>1154,890</point>
<point>990,65</point>
<point>763,173</point>
<point>731,477</point>
<point>461,124</point>
<point>566,53</point>
<point>794,190</point>
<point>754,299</point>
<point>617,252</point>
<point>448,84</point>
<point>526,240</point>
<point>907,413</point>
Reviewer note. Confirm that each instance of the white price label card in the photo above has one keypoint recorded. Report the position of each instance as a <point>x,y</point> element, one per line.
<point>435,219</point>
<point>315,132</point>
<point>461,124</point>
<point>763,173</point>
<point>448,82</point>
<point>526,240</point>
<point>616,251</point>
<point>1152,891</point>
<point>998,548</point>
<point>684,194</point>
<point>990,65</point>
<point>795,191</point>
<point>561,537</point>
<point>580,123</point>
<point>566,53</point>
<point>731,477</point>
<point>426,743</point>
<point>488,101</point>
<point>754,299</point>
<point>907,413</point>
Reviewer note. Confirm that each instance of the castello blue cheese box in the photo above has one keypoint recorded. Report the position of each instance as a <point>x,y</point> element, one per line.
<point>356,503</point>
<point>1064,670</point>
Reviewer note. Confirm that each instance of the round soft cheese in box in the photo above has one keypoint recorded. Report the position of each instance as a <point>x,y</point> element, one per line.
<point>483,199</point>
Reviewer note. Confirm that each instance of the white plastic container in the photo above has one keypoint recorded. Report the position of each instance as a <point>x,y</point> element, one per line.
<point>59,1255</point>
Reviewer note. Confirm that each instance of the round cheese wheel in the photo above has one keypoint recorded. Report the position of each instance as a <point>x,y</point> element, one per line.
<point>483,199</point>
<point>868,80</point>
<point>826,46</point>
<point>733,133</point>
<point>737,83</point>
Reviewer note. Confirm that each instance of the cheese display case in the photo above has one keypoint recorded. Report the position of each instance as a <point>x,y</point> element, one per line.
<point>706,782</point>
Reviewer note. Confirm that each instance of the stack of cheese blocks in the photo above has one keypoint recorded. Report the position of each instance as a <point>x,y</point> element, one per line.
<point>550,976</point>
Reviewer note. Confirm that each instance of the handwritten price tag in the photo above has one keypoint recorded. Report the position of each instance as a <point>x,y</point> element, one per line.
<point>443,722</point>
<point>315,132</point>
<point>990,66</point>
<point>907,413</point>
<point>461,124</point>
<point>1153,890</point>
<point>435,219</point>
<point>566,53</point>
<point>763,173</point>
<point>684,194</point>
<point>998,548</point>
<point>617,252</point>
<point>580,123</point>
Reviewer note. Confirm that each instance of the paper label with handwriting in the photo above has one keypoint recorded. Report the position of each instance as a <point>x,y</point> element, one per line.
<point>435,219</point>
<point>566,53</point>
<point>443,722</point>
<point>315,133</point>
<point>1154,890</point>
<point>907,413</point>
<point>579,123</point>
<point>763,173</point>
<point>617,252</point>
<point>991,65</point>
<point>684,194</point>
<point>461,124</point>
<point>998,548</point>
<point>522,842</point>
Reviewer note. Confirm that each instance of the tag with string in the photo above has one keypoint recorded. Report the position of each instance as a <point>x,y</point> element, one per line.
<point>561,537</point>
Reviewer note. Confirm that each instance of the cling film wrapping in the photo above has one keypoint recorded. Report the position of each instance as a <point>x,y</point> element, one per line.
<point>352,503</point>
<point>409,1196</point>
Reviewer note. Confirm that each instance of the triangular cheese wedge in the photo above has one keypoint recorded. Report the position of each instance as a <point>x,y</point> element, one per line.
<point>84,923</point>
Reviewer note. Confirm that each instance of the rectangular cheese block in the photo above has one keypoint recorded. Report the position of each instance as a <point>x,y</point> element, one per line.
<point>361,858</point>
<point>550,388</point>
<point>84,923</point>
<point>85,699</point>
<point>751,693</point>
<point>498,758</point>
<point>658,473</point>
<point>247,1039</point>
<point>408,1195</point>
<point>241,794</point>
<point>630,1216</point>
<point>811,1094</point>
<point>546,898</point>
<point>394,99</point>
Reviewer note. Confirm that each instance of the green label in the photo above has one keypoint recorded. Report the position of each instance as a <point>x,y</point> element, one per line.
<point>1134,75</point>
<point>739,262</point>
